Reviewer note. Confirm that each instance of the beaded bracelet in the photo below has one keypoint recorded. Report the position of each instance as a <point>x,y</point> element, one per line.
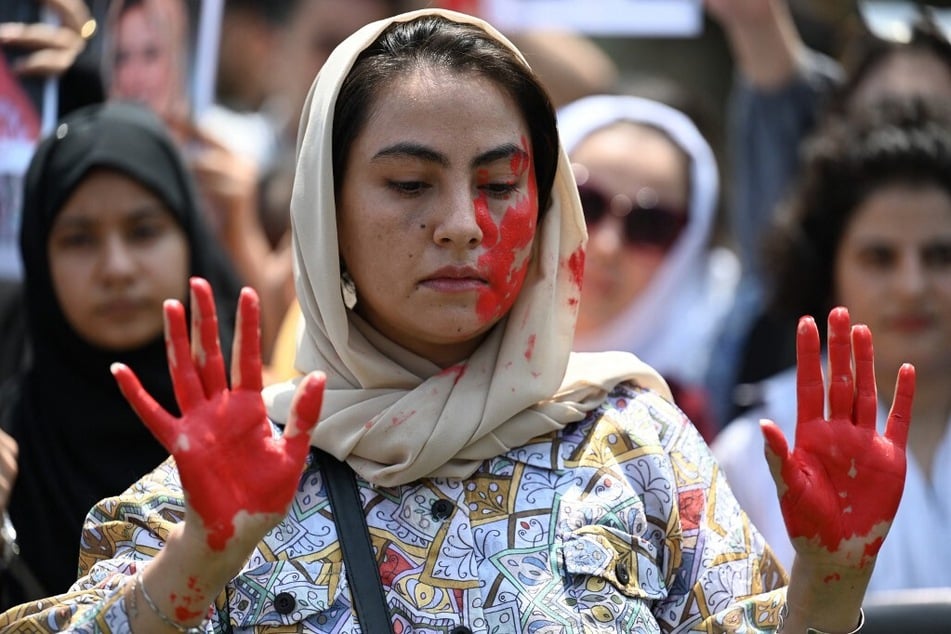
<point>193,629</point>
<point>783,611</point>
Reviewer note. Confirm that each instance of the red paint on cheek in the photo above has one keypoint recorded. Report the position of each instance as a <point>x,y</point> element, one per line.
<point>490,230</point>
<point>507,257</point>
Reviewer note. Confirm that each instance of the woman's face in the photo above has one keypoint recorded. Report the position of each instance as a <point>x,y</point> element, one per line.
<point>115,254</point>
<point>905,73</point>
<point>893,272</point>
<point>437,212</point>
<point>144,68</point>
<point>622,163</point>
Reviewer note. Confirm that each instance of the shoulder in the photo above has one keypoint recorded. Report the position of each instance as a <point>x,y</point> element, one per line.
<point>137,520</point>
<point>634,421</point>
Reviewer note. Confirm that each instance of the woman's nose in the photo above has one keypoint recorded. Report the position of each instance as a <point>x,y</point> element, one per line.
<point>604,237</point>
<point>462,219</point>
<point>912,276</point>
<point>116,257</point>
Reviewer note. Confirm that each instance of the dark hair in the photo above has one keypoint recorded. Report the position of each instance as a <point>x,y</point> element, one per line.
<point>894,141</point>
<point>866,52</point>
<point>435,41</point>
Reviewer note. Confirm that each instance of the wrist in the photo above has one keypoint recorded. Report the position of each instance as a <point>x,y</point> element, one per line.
<point>169,623</point>
<point>784,614</point>
<point>767,50</point>
<point>825,598</point>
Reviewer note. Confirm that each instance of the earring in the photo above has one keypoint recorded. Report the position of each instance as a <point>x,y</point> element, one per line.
<point>349,290</point>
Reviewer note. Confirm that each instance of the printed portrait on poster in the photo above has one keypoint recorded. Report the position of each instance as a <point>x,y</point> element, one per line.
<point>162,53</point>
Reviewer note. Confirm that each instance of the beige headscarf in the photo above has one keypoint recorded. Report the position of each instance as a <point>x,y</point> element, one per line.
<point>396,417</point>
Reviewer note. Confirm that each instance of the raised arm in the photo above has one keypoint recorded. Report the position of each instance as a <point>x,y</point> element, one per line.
<point>839,488</point>
<point>52,48</point>
<point>238,478</point>
<point>762,37</point>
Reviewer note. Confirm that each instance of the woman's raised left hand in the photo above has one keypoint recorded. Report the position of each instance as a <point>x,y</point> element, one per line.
<point>840,486</point>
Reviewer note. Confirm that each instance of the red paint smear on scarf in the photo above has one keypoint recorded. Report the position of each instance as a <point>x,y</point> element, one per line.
<point>399,420</point>
<point>457,370</point>
<point>506,241</point>
<point>530,349</point>
<point>576,265</point>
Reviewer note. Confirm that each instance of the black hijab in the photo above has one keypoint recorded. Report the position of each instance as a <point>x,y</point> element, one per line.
<point>79,439</point>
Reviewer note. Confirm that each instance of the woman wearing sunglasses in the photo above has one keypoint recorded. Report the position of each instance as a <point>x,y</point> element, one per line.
<point>649,186</point>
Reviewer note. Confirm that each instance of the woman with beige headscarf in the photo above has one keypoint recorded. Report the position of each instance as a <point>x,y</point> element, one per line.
<point>505,484</point>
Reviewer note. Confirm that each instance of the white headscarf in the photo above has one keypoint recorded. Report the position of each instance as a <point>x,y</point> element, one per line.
<point>396,417</point>
<point>672,324</point>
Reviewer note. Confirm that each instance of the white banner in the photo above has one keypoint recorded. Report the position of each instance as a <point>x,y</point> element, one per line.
<point>657,18</point>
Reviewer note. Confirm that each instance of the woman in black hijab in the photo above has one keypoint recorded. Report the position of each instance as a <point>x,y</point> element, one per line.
<point>79,441</point>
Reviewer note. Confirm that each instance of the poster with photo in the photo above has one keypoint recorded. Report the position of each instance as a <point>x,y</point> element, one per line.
<point>162,53</point>
<point>159,52</point>
<point>621,18</point>
<point>27,110</point>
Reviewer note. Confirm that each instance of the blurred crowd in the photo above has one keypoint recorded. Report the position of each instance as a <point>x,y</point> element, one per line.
<point>794,157</point>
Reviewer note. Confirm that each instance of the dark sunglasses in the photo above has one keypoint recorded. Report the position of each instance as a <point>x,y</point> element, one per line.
<point>644,226</point>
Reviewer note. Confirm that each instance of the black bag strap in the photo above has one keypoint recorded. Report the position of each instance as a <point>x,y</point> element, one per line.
<point>373,615</point>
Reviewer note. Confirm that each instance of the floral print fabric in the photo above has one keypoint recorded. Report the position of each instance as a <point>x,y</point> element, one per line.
<point>618,523</point>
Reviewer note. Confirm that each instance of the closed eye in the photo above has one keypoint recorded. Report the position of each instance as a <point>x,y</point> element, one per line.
<point>938,256</point>
<point>408,188</point>
<point>500,190</point>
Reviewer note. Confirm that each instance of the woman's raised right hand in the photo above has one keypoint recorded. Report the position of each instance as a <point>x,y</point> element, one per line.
<point>239,479</point>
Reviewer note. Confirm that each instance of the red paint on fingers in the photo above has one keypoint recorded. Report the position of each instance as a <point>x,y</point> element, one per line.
<point>230,463</point>
<point>841,485</point>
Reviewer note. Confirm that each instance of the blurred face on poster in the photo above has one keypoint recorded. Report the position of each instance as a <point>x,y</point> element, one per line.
<point>149,55</point>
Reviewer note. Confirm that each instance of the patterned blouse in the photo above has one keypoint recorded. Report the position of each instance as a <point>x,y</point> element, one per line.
<point>621,522</point>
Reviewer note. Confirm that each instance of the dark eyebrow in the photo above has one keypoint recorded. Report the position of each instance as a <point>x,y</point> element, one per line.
<point>423,153</point>
<point>140,212</point>
<point>412,150</point>
<point>506,151</point>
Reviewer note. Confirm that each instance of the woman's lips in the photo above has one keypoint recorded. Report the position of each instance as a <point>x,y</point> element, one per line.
<point>455,279</point>
<point>911,323</point>
<point>121,308</point>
